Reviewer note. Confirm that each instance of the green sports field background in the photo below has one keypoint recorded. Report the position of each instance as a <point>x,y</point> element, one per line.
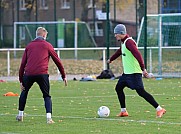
<point>75,109</point>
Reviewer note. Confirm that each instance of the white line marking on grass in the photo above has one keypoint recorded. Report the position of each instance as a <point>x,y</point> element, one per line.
<point>107,119</point>
<point>8,133</point>
<point>77,97</point>
<point>125,120</point>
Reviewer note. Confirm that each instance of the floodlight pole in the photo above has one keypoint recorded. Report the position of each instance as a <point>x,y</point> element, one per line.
<point>55,19</point>
<point>114,10</point>
<point>107,31</point>
<point>36,16</point>
<point>0,23</point>
<point>145,33</point>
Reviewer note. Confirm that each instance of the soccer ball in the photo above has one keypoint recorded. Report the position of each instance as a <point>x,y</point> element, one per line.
<point>103,112</point>
<point>150,75</point>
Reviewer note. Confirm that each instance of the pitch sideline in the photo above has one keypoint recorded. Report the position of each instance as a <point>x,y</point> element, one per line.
<point>107,119</point>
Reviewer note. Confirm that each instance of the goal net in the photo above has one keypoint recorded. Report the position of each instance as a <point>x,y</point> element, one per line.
<point>68,34</point>
<point>163,44</point>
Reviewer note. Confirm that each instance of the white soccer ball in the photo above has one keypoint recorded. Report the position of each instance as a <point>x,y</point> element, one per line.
<point>103,112</point>
<point>150,75</point>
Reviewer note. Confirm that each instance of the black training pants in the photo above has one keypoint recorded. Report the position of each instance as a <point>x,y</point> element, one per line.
<point>133,81</point>
<point>43,82</point>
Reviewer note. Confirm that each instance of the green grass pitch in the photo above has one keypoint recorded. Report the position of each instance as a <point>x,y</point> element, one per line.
<point>75,109</point>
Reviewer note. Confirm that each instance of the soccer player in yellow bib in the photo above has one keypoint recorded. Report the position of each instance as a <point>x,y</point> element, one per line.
<point>133,68</point>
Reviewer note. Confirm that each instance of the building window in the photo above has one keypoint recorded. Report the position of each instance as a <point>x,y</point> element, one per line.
<point>65,4</point>
<point>96,28</point>
<point>22,4</point>
<point>91,4</point>
<point>43,4</point>
<point>171,6</point>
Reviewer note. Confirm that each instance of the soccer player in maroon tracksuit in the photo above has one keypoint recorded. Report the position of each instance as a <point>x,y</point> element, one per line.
<point>34,68</point>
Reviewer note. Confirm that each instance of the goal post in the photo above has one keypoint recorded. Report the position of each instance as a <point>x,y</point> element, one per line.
<point>164,35</point>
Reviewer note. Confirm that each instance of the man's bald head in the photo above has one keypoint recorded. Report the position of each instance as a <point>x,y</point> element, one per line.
<point>41,31</point>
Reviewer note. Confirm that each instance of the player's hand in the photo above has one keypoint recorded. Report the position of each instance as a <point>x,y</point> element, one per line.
<point>145,74</point>
<point>108,61</point>
<point>65,81</point>
<point>22,87</point>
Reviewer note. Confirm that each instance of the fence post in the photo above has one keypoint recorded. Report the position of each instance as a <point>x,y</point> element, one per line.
<point>8,62</point>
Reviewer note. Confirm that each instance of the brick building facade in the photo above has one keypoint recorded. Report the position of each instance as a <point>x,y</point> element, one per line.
<point>127,12</point>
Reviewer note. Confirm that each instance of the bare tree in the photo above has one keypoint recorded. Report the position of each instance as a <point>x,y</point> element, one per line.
<point>30,4</point>
<point>85,10</point>
<point>4,4</point>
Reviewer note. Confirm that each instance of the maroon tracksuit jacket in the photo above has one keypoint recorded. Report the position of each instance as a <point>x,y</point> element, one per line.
<point>36,57</point>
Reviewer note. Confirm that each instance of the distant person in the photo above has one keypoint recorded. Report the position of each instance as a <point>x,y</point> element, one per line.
<point>34,68</point>
<point>133,68</point>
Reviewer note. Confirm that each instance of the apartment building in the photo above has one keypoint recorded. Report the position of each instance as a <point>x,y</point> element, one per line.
<point>128,12</point>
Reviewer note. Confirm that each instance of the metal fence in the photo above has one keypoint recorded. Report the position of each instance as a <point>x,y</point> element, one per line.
<point>165,65</point>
